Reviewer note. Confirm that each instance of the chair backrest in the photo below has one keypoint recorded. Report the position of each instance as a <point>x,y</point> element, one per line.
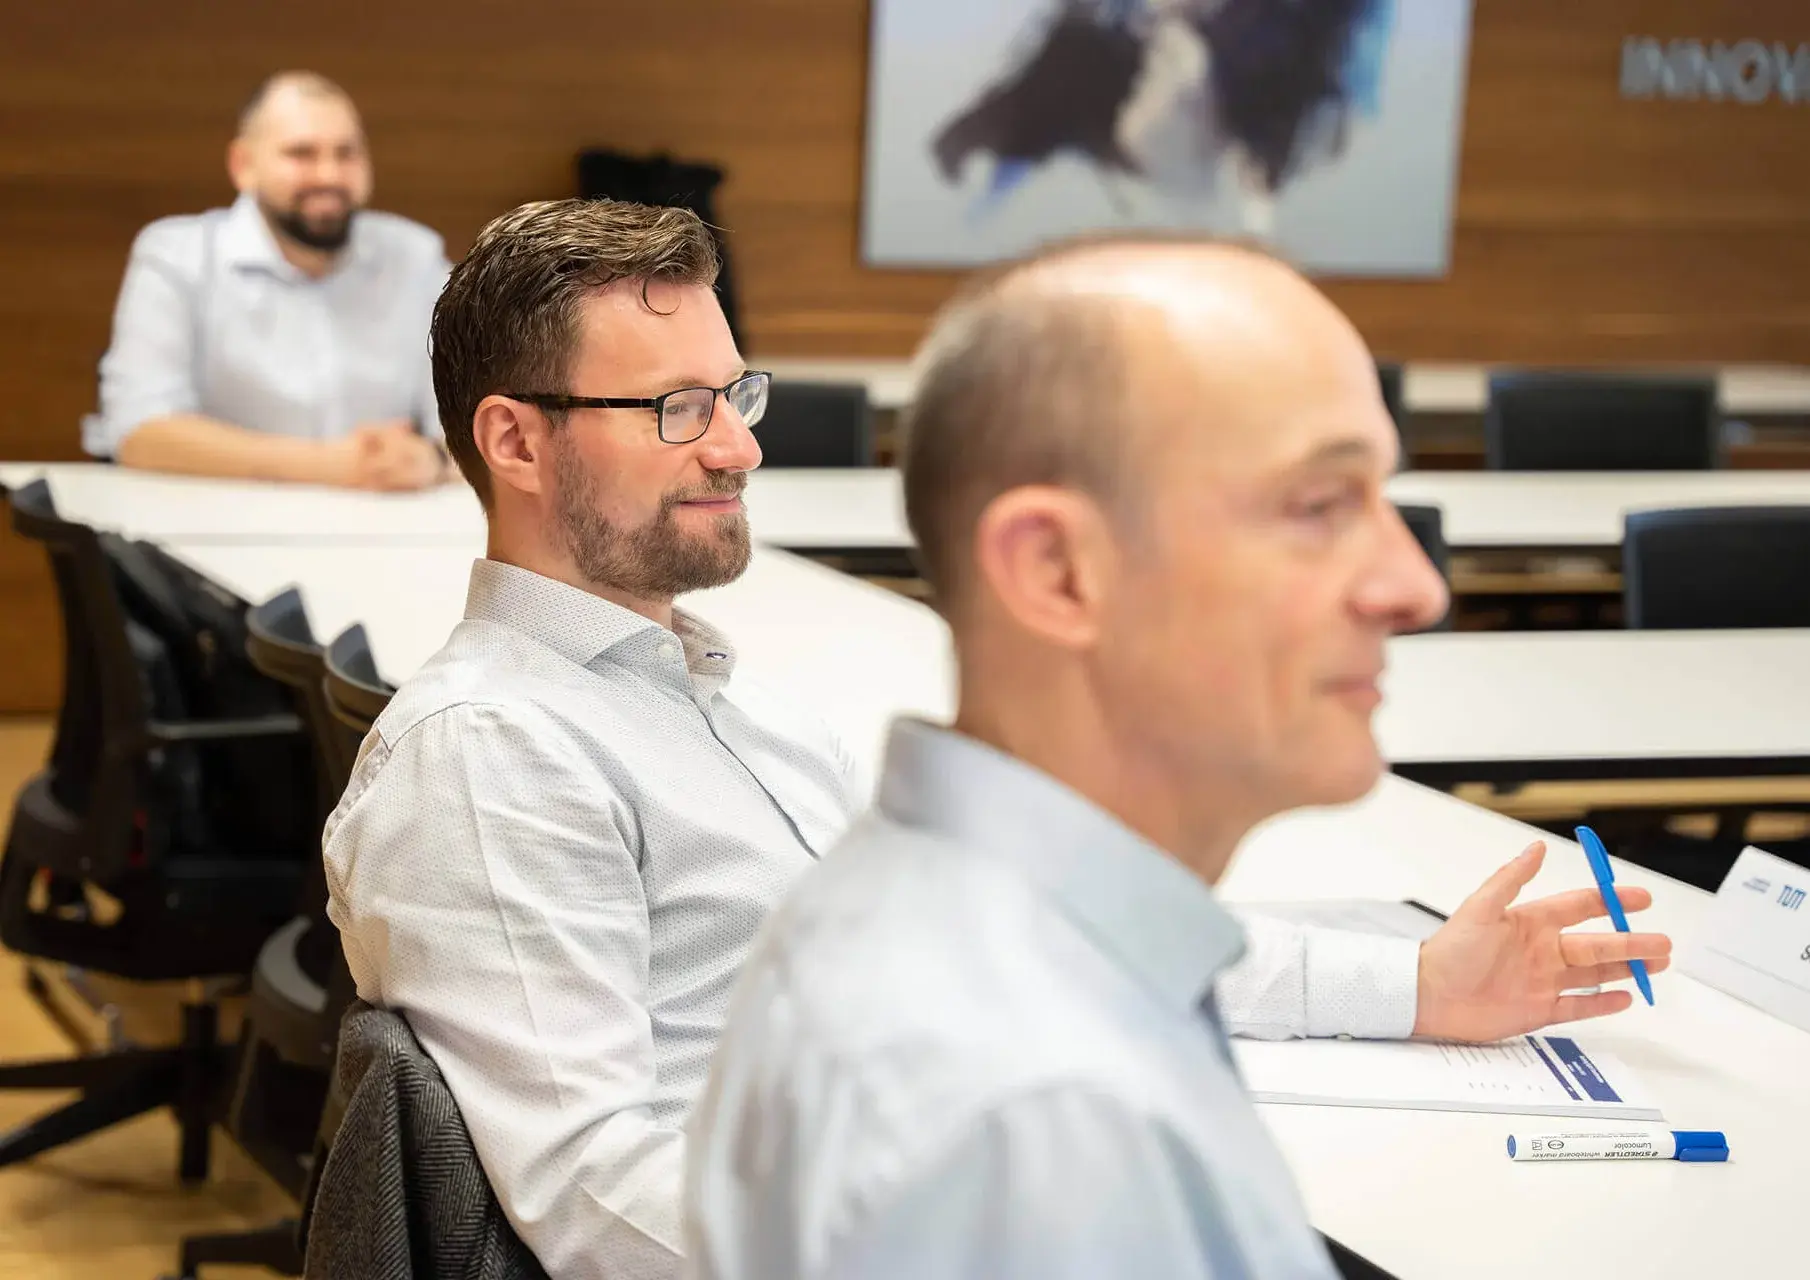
<point>1428,527</point>
<point>355,692</point>
<point>1389,378</point>
<point>78,817</point>
<point>280,643</point>
<point>1601,422</point>
<point>178,780</point>
<point>1717,567</point>
<point>817,424</point>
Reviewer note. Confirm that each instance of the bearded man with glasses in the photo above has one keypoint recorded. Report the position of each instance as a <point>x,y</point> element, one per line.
<point>564,832</point>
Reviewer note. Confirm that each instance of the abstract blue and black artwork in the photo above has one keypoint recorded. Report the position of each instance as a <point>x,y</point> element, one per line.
<point>1328,128</point>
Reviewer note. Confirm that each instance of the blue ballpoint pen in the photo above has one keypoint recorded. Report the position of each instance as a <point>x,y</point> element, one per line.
<point>1605,882</point>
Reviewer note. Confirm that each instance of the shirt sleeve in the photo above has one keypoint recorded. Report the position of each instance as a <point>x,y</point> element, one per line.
<point>486,886</point>
<point>1296,980</point>
<point>1062,1184</point>
<point>149,369</point>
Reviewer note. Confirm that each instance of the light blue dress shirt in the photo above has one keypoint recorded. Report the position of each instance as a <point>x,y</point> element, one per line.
<point>212,319</point>
<point>978,1043</point>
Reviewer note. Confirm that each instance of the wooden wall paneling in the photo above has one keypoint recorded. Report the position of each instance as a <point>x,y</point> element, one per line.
<point>1588,229</point>
<point>31,630</point>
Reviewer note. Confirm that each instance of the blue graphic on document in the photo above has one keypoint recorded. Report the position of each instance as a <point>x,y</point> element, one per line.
<point>1584,1071</point>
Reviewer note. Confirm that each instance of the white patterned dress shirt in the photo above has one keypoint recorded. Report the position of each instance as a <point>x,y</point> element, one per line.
<point>557,845</point>
<point>555,852</point>
<point>979,1043</point>
<point>212,319</point>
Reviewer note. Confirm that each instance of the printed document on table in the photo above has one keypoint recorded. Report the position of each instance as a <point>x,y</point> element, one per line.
<point>1529,1075</point>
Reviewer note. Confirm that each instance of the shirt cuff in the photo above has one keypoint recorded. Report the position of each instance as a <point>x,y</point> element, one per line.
<point>1362,985</point>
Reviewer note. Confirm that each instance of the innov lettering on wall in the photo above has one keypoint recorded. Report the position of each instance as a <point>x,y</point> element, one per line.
<point>1745,71</point>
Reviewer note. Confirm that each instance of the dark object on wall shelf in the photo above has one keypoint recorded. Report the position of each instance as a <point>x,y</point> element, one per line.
<point>661,180</point>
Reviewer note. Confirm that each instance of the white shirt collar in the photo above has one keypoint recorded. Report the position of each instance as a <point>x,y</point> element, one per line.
<point>246,241</point>
<point>582,627</point>
<point>1138,903</point>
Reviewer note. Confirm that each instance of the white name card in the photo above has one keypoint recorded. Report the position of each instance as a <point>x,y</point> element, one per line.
<point>1757,943</point>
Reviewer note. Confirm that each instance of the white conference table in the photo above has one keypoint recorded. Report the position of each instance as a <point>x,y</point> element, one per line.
<point>1579,509</point>
<point>864,510</point>
<point>1488,706</point>
<point>1423,1195</point>
<point>858,654</point>
<point>1516,706</point>
<point>795,508</point>
<point>1426,388</point>
<point>800,509</point>
<point>142,504</point>
<point>1433,1194</point>
<point>829,509</point>
<point>857,509</point>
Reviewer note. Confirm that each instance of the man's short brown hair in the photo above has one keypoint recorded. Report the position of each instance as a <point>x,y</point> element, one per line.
<point>509,318</point>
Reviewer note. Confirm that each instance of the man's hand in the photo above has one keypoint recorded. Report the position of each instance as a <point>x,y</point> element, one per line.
<point>387,456</point>
<point>1495,970</point>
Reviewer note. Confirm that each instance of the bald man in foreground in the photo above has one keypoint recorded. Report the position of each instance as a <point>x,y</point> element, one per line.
<point>284,338</point>
<point>980,1039</point>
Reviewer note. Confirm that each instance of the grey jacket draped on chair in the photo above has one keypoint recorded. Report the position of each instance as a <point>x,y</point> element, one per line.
<point>402,1196</point>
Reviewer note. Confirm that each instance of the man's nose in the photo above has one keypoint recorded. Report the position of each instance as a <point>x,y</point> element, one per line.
<point>1404,587</point>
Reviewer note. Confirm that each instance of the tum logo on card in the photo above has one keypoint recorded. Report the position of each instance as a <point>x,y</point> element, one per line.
<point>1790,898</point>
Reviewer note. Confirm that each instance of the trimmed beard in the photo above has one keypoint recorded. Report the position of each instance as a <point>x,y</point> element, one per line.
<point>656,561</point>
<point>329,237</point>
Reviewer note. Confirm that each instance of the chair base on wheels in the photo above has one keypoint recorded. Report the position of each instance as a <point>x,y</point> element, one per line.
<point>273,1247</point>
<point>119,1084</point>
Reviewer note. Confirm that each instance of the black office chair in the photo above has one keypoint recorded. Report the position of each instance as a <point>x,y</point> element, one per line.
<point>1390,377</point>
<point>133,804</point>
<point>1720,567</point>
<point>1601,422</point>
<point>356,694</point>
<point>1712,568</point>
<point>280,643</point>
<point>300,984</point>
<point>1428,527</point>
<point>817,424</point>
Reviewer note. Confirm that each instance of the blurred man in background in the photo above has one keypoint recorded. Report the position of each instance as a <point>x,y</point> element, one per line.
<point>284,338</point>
<point>984,1039</point>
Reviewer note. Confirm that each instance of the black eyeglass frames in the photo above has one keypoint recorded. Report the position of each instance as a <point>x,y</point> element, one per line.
<point>684,414</point>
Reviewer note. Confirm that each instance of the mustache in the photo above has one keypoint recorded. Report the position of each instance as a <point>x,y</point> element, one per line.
<point>719,484</point>
<point>302,197</point>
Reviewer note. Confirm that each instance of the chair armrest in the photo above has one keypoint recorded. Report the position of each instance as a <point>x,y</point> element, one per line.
<point>169,732</point>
